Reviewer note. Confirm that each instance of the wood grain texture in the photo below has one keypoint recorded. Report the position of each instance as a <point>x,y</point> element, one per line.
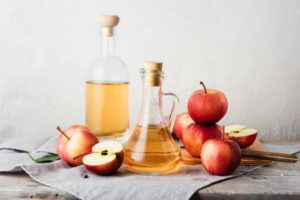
<point>19,186</point>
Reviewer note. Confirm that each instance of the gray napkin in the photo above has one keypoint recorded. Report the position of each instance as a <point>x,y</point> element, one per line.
<point>123,185</point>
<point>48,146</point>
<point>13,152</point>
<point>29,144</point>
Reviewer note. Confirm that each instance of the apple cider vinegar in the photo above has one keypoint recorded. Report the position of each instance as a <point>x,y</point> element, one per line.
<point>107,108</point>
<point>151,150</point>
<point>107,87</point>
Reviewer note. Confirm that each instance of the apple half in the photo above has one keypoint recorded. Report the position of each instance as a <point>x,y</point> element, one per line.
<point>106,159</point>
<point>242,135</point>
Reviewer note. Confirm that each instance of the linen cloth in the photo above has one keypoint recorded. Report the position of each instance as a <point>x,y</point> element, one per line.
<point>123,185</point>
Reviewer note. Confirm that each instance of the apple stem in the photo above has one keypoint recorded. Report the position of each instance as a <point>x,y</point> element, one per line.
<point>201,83</point>
<point>223,132</point>
<point>80,156</point>
<point>61,131</point>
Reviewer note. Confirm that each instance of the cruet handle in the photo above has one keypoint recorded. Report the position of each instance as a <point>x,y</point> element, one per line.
<point>172,116</point>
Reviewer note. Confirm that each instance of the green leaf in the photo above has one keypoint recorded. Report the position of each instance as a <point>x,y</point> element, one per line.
<point>45,159</point>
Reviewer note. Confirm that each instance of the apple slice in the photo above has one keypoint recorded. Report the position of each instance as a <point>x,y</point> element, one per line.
<point>233,128</point>
<point>111,146</point>
<point>242,135</point>
<point>102,164</point>
<point>106,159</point>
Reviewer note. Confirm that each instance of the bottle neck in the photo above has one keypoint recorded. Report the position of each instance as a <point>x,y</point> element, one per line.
<point>108,45</point>
<point>151,113</point>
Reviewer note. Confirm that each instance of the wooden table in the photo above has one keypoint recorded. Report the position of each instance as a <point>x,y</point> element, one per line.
<point>280,181</point>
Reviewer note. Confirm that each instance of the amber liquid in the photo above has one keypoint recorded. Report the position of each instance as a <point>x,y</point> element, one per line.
<point>107,108</point>
<point>151,150</point>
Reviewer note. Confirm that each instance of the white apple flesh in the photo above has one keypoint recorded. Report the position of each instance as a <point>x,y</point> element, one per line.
<point>106,159</point>
<point>111,146</point>
<point>245,137</point>
<point>233,128</point>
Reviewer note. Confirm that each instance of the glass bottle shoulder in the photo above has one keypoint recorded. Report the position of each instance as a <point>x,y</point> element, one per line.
<point>109,69</point>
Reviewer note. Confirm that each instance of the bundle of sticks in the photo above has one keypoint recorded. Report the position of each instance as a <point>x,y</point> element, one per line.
<point>249,157</point>
<point>265,157</point>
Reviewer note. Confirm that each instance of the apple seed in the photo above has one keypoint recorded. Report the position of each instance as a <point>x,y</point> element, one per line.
<point>104,153</point>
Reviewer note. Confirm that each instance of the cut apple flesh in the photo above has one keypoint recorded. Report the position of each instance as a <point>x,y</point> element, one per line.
<point>98,159</point>
<point>233,128</point>
<point>109,146</point>
<point>243,132</point>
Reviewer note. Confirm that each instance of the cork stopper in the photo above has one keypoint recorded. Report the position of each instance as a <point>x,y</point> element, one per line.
<point>108,22</point>
<point>153,72</point>
<point>153,66</point>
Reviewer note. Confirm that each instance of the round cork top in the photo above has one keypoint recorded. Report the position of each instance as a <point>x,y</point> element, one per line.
<point>153,66</point>
<point>108,20</point>
<point>152,73</point>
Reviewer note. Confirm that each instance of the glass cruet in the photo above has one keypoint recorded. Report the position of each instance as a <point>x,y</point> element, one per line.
<point>150,148</point>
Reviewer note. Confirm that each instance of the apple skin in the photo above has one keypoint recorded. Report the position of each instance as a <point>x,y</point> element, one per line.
<point>114,151</point>
<point>181,122</point>
<point>195,135</point>
<point>220,157</point>
<point>207,108</point>
<point>119,154</point>
<point>107,168</point>
<point>245,137</point>
<point>81,142</point>
<point>244,141</point>
<point>120,157</point>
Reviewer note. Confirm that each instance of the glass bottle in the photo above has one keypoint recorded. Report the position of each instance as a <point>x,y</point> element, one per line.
<point>150,148</point>
<point>107,88</point>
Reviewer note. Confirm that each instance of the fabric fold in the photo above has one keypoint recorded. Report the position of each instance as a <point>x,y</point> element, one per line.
<point>123,185</point>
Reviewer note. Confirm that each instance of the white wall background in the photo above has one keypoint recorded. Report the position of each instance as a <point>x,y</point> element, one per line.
<point>248,49</point>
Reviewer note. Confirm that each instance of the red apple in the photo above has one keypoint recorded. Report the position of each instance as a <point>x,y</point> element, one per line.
<point>220,157</point>
<point>195,135</point>
<point>181,122</point>
<point>207,106</point>
<point>106,159</point>
<point>243,136</point>
<point>75,141</point>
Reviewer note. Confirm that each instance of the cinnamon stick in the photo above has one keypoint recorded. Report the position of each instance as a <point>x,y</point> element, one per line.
<point>245,161</point>
<point>264,155</point>
<point>268,153</point>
